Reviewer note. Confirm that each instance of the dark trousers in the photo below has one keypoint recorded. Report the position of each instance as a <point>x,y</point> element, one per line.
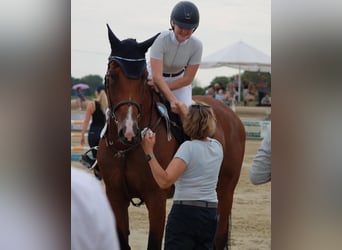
<point>94,138</point>
<point>190,227</point>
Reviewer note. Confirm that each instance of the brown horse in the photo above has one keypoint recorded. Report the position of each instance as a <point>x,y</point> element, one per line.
<point>132,107</point>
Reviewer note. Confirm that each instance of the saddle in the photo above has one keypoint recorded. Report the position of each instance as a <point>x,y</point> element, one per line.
<point>172,120</point>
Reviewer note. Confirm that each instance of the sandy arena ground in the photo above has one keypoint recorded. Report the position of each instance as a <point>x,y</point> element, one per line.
<point>251,214</point>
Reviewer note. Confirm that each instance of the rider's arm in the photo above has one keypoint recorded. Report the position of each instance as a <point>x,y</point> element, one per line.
<point>157,69</point>
<point>189,75</point>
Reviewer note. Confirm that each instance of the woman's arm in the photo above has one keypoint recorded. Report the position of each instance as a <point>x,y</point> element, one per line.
<point>164,178</point>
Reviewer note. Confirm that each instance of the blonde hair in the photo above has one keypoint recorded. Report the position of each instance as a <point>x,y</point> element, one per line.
<point>102,99</point>
<point>200,121</point>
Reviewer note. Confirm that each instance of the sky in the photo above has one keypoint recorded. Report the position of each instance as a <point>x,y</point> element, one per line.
<point>222,23</point>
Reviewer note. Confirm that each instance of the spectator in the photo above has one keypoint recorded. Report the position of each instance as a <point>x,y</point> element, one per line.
<point>96,110</point>
<point>80,98</point>
<point>221,95</point>
<point>176,55</point>
<point>261,88</point>
<point>260,171</point>
<point>210,91</point>
<point>231,93</point>
<point>93,223</point>
<point>266,100</point>
<point>251,97</point>
<point>192,221</point>
<point>218,86</point>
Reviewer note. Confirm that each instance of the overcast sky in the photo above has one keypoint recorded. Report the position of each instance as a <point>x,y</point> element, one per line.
<point>222,23</point>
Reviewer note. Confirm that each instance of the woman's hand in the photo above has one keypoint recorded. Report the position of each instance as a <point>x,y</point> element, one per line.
<point>148,141</point>
<point>82,140</point>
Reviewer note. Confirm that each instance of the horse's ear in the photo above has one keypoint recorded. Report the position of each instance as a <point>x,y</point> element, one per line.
<point>146,44</point>
<point>114,41</point>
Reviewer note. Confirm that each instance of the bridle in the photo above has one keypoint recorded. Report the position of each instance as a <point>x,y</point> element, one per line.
<point>114,107</point>
<point>112,117</point>
<point>129,103</point>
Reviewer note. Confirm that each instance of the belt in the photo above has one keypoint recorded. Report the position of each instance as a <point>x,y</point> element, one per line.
<point>173,74</point>
<point>197,203</point>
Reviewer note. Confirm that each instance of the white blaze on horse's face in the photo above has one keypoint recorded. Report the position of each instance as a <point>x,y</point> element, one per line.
<point>129,131</point>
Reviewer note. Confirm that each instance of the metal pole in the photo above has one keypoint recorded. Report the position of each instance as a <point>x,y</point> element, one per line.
<point>239,85</point>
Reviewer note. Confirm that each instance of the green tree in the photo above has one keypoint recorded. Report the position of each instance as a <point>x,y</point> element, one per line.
<point>220,79</point>
<point>256,76</point>
<point>196,90</point>
<point>92,80</point>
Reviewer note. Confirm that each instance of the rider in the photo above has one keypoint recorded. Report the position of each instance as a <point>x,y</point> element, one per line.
<point>176,56</point>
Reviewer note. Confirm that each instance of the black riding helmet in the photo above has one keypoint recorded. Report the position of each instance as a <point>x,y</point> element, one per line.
<point>185,14</point>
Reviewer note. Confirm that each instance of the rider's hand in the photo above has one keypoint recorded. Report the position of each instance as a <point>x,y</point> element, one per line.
<point>182,109</point>
<point>179,108</point>
<point>151,83</point>
<point>174,107</point>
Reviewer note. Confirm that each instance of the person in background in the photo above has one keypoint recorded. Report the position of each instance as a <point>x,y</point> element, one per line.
<point>80,98</point>
<point>261,87</point>
<point>245,85</point>
<point>251,97</point>
<point>96,111</point>
<point>231,93</point>
<point>221,95</point>
<point>210,91</point>
<point>175,57</point>
<point>218,86</point>
<point>93,224</point>
<point>260,171</point>
<point>266,100</point>
<point>194,169</point>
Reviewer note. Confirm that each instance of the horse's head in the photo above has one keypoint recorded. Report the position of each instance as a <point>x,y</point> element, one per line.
<point>126,84</point>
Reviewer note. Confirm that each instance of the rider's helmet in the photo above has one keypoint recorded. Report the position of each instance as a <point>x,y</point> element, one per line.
<point>185,14</point>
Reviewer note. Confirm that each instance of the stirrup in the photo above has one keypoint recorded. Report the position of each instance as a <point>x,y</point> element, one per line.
<point>89,161</point>
<point>163,112</point>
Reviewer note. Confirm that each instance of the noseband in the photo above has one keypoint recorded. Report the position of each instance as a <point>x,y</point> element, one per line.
<point>128,103</point>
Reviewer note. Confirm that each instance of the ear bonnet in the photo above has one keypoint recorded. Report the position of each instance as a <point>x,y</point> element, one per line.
<point>129,54</point>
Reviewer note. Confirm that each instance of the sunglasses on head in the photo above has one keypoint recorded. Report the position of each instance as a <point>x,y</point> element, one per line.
<point>200,106</point>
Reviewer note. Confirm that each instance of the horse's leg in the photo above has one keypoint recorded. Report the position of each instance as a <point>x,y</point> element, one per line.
<point>120,208</point>
<point>225,194</point>
<point>156,212</point>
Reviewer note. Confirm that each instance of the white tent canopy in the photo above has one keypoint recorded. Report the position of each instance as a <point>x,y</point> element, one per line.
<point>239,56</point>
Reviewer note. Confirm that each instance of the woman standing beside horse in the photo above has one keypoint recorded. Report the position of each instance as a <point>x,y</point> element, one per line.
<point>176,56</point>
<point>192,222</point>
